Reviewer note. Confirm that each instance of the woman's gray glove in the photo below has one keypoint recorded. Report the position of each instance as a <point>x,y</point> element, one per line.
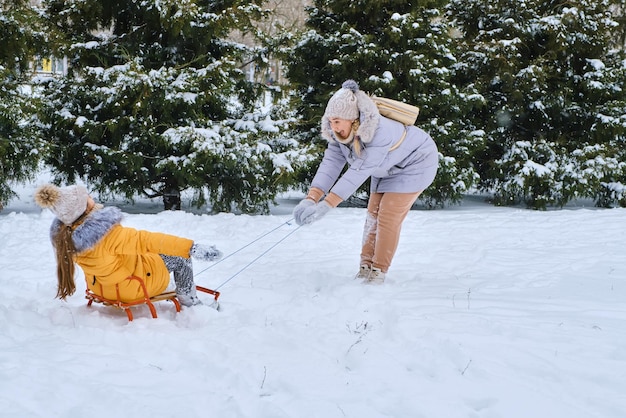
<point>205,252</point>
<point>313,213</point>
<point>301,208</point>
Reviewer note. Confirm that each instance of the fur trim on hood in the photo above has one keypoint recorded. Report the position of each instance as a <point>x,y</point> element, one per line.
<point>350,95</point>
<point>96,225</point>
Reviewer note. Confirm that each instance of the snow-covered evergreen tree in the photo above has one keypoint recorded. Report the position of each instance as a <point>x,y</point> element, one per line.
<point>554,83</point>
<point>155,103</point>
<point>392,48</point>
<point>19,141</point>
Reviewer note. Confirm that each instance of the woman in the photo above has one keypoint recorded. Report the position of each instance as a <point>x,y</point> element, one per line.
<point>91,236</point>
<point>400,160</point>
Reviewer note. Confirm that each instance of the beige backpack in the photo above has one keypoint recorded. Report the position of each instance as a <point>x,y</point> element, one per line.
<point>396,110</point>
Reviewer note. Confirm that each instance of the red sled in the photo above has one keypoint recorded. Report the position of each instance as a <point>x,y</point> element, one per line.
<point>146,300</point>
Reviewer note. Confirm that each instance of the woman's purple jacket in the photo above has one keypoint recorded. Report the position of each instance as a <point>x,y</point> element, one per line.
<point>410,168</point>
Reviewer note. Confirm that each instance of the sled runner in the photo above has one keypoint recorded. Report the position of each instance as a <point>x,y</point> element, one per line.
<point>146,300</point>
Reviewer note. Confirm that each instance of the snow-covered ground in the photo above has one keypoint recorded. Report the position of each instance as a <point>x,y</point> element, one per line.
<point>487,312</point>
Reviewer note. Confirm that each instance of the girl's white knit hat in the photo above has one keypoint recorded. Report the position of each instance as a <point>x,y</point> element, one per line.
<point>67,203</point>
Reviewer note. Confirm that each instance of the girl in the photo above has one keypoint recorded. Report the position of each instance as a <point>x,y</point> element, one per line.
<point>91,236</point>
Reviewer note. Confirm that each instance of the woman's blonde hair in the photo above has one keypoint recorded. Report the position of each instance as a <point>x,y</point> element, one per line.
<point>356,142</point>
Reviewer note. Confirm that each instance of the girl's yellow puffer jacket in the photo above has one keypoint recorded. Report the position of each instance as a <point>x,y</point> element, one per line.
<point>109,253</point>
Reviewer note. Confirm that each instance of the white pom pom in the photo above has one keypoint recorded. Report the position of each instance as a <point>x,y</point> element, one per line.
<point>350,85</point>
<point>47,195</point>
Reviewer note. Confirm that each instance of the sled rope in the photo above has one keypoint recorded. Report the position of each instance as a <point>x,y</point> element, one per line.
<point>246,246</point>
<point>261,255</point>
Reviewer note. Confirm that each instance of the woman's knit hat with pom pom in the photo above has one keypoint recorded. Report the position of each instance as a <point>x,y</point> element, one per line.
<point>343,104</point>
<point>67,203</point>
<point>350,103</point>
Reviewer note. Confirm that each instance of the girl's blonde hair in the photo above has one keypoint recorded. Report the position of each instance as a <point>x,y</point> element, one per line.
<point>65,251</point>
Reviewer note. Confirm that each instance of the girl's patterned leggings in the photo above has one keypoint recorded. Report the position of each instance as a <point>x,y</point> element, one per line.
<point>183,273</point>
